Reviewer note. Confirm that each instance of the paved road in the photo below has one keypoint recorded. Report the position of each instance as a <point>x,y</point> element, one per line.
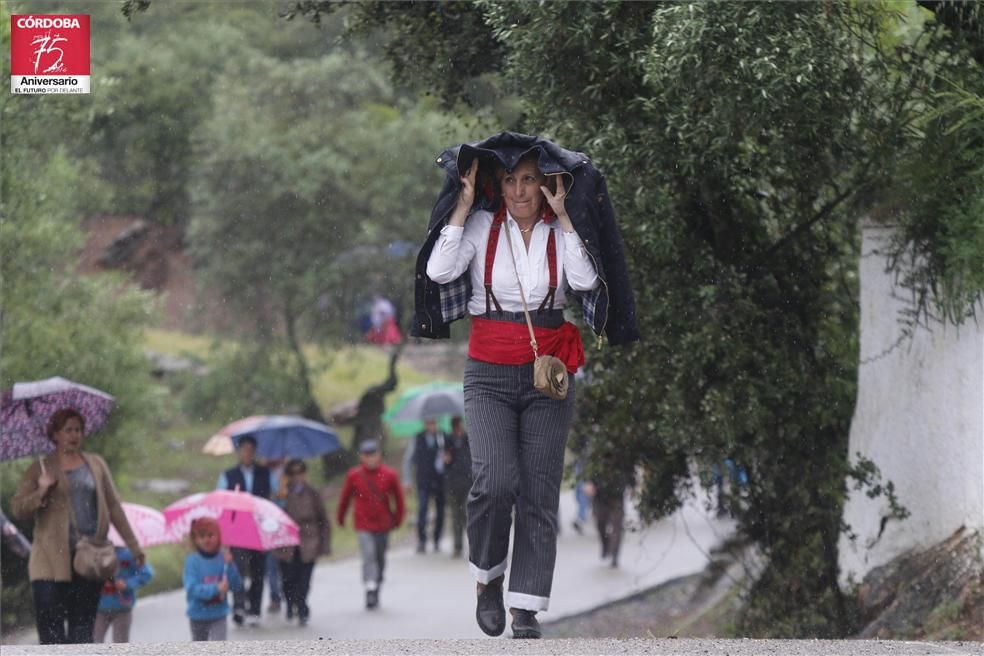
<point>522,648</point>
<point>433,595</point>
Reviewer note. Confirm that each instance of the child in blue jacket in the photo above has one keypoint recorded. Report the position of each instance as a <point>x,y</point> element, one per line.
<point>209,575</point>
<point>119,596</point>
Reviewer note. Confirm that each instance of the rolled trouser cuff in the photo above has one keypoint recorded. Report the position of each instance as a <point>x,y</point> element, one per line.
<point>483,576</point>
<point>526,601</point>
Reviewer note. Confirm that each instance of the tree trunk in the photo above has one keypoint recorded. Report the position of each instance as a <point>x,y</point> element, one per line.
<point>369,416</point>
<point>338,461</point>
<point>311,408</point>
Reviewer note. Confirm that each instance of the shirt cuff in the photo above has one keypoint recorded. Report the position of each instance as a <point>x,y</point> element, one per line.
<point>573,242</point>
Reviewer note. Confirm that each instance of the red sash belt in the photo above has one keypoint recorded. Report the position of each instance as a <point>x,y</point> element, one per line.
<point>505,342</point>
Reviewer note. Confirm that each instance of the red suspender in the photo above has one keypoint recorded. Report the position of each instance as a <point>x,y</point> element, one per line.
<point>490,249</point>
<point>493,245</point>
<point>548,300</point>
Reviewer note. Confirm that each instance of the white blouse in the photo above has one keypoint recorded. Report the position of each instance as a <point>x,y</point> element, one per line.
<point>458,249</point>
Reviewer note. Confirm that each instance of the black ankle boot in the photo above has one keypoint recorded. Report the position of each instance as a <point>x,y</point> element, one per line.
<point>490,611</point>
<point>525,625</point>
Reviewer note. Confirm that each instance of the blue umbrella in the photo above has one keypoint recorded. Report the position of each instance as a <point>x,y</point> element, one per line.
<point>285,436</point>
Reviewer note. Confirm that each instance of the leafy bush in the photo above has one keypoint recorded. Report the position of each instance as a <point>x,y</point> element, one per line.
<point>245,380</point>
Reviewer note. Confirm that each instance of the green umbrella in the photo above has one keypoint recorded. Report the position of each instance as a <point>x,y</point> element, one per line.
<point>410,427</point>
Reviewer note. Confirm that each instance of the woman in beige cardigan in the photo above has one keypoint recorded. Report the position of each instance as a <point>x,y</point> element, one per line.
<point>68,482</point>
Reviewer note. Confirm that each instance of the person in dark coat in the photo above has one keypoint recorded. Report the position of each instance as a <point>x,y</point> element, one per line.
<point>609,511</point>
<point>259,481</point>
<point>425,457</point>
<point>458,466</point>
<point>304,505</point>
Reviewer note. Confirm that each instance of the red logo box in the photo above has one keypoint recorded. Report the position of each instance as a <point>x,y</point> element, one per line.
<point>49,53</point>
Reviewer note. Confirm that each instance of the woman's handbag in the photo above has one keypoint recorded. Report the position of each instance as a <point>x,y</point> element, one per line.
<point>550,375</point>
<point>95,559</point>
<point>549,372</point>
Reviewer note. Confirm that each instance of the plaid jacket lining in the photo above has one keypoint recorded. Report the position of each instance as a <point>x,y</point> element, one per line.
<point>455,296</point>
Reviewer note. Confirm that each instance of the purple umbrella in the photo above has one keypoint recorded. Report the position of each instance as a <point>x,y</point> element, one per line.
<point>25,409</point>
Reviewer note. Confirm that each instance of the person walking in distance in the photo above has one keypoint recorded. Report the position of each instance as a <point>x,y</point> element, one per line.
<point>304,505</point>
<point>119,595</point>
<point>274,584</point>
<point>425,459</point>
<point>209,574</point>
<point>379,509</point>
<point>609,510</point>
<point>458,464</point>
<point>256,479</point>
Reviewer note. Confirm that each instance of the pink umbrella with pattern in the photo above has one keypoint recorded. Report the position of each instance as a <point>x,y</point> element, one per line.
<point>26,408</point>
<point>246,521</point>
<point>148,525</point>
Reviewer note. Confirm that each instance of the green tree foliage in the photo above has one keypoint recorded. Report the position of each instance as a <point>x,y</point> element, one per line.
<point>940,211</point>
<point>301,195</point>
<point>422,41</point>
<point>741,143</point>
<point>302,187</point>
<point>739,135</point>
<point>243,378</point>
<point>152,88</point>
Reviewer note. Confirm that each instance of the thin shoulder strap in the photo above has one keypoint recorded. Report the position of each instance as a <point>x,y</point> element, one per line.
<point>548,300</point>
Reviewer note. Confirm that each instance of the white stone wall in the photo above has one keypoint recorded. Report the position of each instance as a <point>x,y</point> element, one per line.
<point>919,417</point>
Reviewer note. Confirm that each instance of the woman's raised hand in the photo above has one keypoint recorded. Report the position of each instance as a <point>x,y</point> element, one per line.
<point>556,202</point>
<point>467,195</point>
<point>46,481</point>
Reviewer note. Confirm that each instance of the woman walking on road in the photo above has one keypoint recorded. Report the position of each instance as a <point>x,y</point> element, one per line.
<point>304,505</point>
<point>523,242</point>
<point>70,495</point>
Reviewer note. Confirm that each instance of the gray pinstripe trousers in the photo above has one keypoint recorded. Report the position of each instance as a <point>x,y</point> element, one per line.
<point>518,437</point>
